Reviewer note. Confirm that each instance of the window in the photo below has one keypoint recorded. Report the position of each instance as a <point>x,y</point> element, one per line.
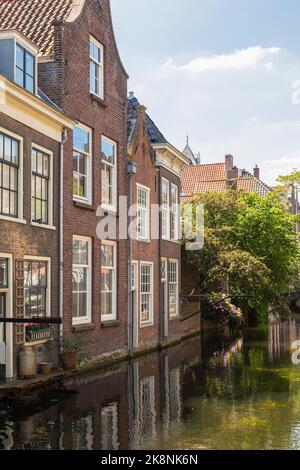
<point>25,69</point>
<point>146,286</point>
<point>173,288</point>
<point>174,213</point>
<point>36,294</point>
<point>96,69</point>
<point>165,207</point>
<point>40,187</point>
<point>108,281</point>
<point>9,168</point>
<point>109,173</point>
<point>3,273</point>
<point>81,274</point>
<point>109,427</point>
<point>82,163</point>
<point>143,213</point>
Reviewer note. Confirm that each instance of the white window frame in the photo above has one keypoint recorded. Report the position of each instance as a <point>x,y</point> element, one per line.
<point>149,322</point>
<point>9,313</point>
<point>88,318</point>
<point>100,66</point>
<point>89,156</point>
<point>114,167</point>
<point>165,211</point>
<point>47,260</point>
<point>146,211</point>
<point>50,187</point>
<point>113,316</point>
<point>176,262</point>
<point>19,217</point>
<point>175,213</point>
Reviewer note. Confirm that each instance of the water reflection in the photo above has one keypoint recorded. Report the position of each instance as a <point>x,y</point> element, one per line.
<point>236,394</point>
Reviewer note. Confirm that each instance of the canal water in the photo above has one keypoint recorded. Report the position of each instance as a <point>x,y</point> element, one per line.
<point>229,393</point>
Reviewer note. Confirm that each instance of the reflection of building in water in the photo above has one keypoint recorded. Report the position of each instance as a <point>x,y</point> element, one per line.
<point>281,335</point>
<point>82,433</point>
<point>173,399</point>
<point>147,408</point>
<point>109,427</point>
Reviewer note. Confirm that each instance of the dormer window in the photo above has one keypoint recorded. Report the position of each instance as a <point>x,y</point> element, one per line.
<point>25,68</point>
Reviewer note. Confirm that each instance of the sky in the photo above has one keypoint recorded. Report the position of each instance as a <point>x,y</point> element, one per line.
<point>225,72</point>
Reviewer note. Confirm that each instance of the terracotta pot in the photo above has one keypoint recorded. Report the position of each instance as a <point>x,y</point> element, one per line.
<point>69,360</point>
<point>27,363</point>
<point>46,368</point>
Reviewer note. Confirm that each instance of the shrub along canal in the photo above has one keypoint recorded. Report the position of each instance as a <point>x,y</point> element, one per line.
<point>229,393</point>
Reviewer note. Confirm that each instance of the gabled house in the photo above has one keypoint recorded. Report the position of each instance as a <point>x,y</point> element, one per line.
<point>156,250</point>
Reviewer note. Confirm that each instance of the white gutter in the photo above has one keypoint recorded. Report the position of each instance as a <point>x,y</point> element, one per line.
<point>61,231</point>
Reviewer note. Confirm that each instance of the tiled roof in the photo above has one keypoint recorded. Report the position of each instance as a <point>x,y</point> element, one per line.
<point>34,19</point>
<point>202,178</point>
<point>155,136</point>
<point>251,184</point>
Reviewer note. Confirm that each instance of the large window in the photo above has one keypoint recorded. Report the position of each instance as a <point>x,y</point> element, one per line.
<point>96,69</point>
<point>9,167</point>
<point>174,213</point>
<point>40,184</point>
<point>143,213</point>
<point>82,163</point>
<point>109,173</point>
<point>165,208</point>
<point>81,274</point>
<point>173,289</point>
<point>108,281</point>
<point>25,69</point>
<point>36,285</point>
<point>146,287</point>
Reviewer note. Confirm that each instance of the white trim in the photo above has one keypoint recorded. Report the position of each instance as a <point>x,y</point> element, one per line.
<point>24,41</point>
<point>135,288</point>
<point>151,321</point>
<point>88,198</point>
<point>88,318</point>
<point>24,45</point>
<point>47,259</point>
<point>111,207</point>
<point>176,261</point>
<point>105,318</point>
<point>175,213</point>
<point>49,225</point>
<point>9,313</point>
<point>100,66</point>
<point>165,210</point>
<point>148,213</point>
<point>20,139</point>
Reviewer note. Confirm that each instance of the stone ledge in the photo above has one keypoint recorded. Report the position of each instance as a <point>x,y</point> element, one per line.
<point>110,324</point>
<point>79,328</point>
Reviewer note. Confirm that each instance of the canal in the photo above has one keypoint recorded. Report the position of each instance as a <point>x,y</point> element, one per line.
<point>229,393</point>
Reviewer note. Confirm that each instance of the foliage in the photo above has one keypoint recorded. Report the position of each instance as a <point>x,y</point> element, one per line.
<point>69,344</point>
<point>250,249</point>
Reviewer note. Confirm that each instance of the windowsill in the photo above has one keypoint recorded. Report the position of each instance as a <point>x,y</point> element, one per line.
<point>110,323</point>
<point>146,324</point>
<point>83,205</point>
<point>83,327</point>
<point>37,343</point>
<point>110,210</point>
<point>177,317</point>
<point>98,100</point>
<point>12,219</point>
<point>45,226</point>
<point>141,240</point>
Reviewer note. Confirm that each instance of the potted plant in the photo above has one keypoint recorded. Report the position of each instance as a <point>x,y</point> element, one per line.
<point>70,347</point>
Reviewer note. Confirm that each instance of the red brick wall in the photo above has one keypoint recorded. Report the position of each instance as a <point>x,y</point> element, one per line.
<point>24,239</point>
<point>66,81</point>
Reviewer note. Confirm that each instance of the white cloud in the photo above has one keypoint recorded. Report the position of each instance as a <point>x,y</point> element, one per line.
<point>237,60</point>
<point>239,103</point>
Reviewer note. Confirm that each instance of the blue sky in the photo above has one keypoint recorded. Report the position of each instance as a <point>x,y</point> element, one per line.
<point>220,69</point>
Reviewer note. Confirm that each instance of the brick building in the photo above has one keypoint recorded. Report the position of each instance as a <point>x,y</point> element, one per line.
<point>32,132</point>
<point>156,250</point>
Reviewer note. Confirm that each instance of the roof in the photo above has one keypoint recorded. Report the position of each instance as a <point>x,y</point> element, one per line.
<point>34,19</point>
<point>199,179</point>
<point>155,136</point>
<point>189,153</point>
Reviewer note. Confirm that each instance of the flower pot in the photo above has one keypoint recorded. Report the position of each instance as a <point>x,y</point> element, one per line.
<point>69,360</point>
<point>45,368</point>
<point>27,363</point>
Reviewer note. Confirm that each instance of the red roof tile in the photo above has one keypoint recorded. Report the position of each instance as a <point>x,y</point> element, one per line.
<point>34,19</point>
<point>202,178</point>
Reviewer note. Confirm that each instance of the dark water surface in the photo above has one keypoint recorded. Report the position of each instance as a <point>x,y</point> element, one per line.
<point>241,393</point>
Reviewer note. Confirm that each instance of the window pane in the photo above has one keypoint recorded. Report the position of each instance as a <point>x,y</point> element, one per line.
<point>3,273</point>
<point>29,64</point>
<point>108,151</point>
<point>81,139</point>
<point>80,252</point>
<point>20,57</point>
<point>29,83</point>
<point>107,258</point>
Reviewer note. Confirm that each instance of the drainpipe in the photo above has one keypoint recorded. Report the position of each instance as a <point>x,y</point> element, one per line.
<point>61,231</point>
<point>131,170</point>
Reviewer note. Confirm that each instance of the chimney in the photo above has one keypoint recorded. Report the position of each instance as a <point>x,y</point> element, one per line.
<point>229,162</point>
<point>131,94</point>
<point>256,172</point>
